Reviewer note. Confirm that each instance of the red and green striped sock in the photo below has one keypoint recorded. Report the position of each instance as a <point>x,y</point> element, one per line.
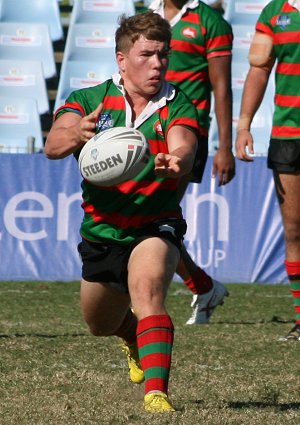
<point>199,283</point>
<point>293,271</point>
<point>155,336</point>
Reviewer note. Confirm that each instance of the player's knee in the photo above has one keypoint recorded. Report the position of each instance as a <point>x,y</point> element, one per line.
<point>292,233</point>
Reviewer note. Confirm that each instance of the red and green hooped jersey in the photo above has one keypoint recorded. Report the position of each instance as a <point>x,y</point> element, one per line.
<point>281,21</point>
<point>200,34</point>
<point>115,214</point>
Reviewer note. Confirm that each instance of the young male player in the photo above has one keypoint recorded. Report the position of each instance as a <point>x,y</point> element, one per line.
<point>132,233</point>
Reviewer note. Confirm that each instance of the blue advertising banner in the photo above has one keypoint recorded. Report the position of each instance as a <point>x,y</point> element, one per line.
<point>234,232</point>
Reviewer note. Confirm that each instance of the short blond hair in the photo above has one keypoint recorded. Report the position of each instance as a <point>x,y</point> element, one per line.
<point>149,24</point>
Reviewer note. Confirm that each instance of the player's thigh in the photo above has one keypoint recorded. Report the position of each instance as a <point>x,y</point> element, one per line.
<point>288,192</point>
<point>151,267</point>
<point>103,307</point>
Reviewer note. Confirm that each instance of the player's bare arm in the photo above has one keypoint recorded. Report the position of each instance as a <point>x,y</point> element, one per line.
<point>70,132</point>
<point>219,68</point>
<point>182,144</point>
<point>261,63</point>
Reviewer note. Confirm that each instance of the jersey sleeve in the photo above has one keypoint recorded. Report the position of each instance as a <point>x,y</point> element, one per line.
<point>181,111</point>
<point>218,35</point>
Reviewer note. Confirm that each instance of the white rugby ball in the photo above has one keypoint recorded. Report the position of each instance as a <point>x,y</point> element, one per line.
<point>113,156</point>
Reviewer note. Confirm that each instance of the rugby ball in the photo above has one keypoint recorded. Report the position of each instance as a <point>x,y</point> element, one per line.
<point>114,156</point>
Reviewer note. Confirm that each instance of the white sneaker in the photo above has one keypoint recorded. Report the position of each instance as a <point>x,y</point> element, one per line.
<point>204,305</point>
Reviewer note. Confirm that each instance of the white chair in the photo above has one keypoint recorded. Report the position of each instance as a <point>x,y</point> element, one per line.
<point>243,12</point>
<point>24,79</point>
<point>28,42</point>
<point>90,42</point>
<point>39,11</point>
<point>20,126</point>
<point>88,11</point>
<point>78,75</point>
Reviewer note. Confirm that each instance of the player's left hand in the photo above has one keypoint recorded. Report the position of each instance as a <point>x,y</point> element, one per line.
<point>167,165</point>
<point>224,166</point>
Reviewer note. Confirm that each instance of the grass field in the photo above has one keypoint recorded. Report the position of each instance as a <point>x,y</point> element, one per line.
<point>232,371</point>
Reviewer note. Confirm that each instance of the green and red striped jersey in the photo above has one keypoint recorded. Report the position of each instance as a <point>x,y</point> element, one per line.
<point>117,213</point>
<point>198,33</point>
<point>281,21</point>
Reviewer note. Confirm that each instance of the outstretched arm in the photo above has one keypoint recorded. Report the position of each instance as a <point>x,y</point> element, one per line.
<point>182,144</point>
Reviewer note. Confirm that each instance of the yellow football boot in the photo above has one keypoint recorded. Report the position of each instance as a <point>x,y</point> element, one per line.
<point>157,402</point>
<point>136,372</point>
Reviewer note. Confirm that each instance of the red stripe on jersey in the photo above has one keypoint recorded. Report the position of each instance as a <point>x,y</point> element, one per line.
<point>191,17</point>
<point>189,122</point>
<point>122,221</point>
<point>219,53</point>
<point>287,8</point>
<point>186,75</point>
<point>157,146</point>
<point>288,68</point>
<point>71,105</point>
<point>219,41</point>
<point>287,37</point>
<point>264,28</point>
<point>140,189</point>
<point>204,104</point>
<point>114,102</point>
<point>164,113</point>
<point>289,101</point>
<point>285,131</point>
<point>187,47</point>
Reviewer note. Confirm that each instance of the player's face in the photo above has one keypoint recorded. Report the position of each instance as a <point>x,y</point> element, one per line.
<point>144,67</point>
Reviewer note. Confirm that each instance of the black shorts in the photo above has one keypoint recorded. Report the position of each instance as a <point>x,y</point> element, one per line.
<point>284,155</point>
<point>200,160</point>
<point>108,262</point>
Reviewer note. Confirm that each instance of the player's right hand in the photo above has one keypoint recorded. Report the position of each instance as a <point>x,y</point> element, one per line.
<point>88,124</point>
<point>244,145</point>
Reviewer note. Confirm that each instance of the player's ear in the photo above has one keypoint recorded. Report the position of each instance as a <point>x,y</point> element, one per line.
<point>120,58</point>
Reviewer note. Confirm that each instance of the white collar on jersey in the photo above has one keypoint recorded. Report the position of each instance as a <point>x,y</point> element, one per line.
<point>158,7</point>
<point>295,3</point>
<point>167,92</point>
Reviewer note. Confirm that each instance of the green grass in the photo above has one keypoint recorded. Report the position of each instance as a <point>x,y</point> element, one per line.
<point>232,371</point>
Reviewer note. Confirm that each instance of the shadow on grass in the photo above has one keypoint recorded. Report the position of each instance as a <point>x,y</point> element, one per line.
<point>263,405</point>
<point>275,319</point>
<point>39,335</point>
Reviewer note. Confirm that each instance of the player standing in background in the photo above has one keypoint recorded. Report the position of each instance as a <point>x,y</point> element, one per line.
<point>132,233</point>
<point>200,62</point>
<point>277,38</point>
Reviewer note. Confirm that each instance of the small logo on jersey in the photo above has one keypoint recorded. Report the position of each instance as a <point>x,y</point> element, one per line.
<point>167,228</point>
<point>283,21</point>
<point>189,32</point>
<point>158,128</point>
<point>105,121</point>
